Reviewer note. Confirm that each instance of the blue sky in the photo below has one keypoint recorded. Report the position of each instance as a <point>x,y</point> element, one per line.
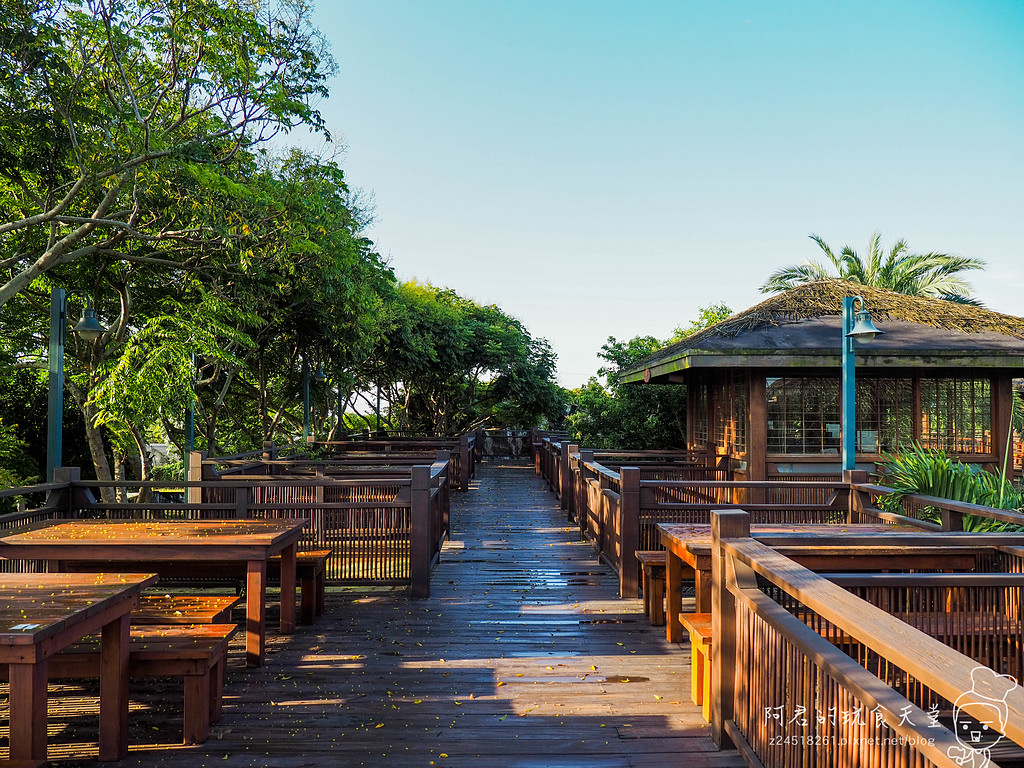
<point>607,168</point>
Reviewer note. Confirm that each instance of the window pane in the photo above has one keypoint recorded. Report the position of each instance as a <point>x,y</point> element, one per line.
<point>956,415</point>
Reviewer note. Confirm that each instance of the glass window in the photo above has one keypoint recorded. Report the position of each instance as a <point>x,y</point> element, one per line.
<point>730,398</point>
<point>956,415</point>
<point>885,414</point>
<point>803,415</point>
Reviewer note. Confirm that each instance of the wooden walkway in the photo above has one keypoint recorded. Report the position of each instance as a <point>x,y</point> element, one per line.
<point>522,658</point>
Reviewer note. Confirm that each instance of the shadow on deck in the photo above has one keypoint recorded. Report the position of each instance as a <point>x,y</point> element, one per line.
<point>523,657</point>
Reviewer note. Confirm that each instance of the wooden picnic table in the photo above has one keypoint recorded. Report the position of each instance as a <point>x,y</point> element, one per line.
<point>690,544</point>
<point>43,613</point>
<point>164,545</point>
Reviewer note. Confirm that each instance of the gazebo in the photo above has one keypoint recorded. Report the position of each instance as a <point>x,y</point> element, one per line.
<point>763,386</point>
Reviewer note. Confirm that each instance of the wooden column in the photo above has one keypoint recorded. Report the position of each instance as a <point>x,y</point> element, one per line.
<point>918,422</point>
<point>465,463</point>
<point>849,499</point>
<point>1002,407</point>
<point>195,475</point>
<point>563,474</point>
<point>725,524</point>
<point>580,509</point>
<point>692,394</point>
<point>419,544</point>
<point>629,531</point>
<point>114,641</point>
<point>568,480</point>
<point>255,611</point>
<point>65,499</point>
<point>757,434</point>
<point>27,710</point>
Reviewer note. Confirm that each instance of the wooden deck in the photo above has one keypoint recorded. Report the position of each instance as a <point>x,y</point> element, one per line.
<point>523,657</point>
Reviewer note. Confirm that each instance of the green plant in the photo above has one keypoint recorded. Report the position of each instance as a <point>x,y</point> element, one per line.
<point>916,470</point>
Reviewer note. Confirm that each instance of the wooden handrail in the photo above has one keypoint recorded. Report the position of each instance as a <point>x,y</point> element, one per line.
<point>902,716</point>
<point>27,489</point>
<point>738,561</point>
<point>929,661</point>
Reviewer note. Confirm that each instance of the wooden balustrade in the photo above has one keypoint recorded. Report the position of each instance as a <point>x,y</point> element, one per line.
<point>385,526</point>
<point>785,693</point>
<point>686,490</point>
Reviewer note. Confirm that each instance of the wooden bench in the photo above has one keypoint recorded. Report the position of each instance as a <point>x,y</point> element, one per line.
<point>699,626</point>
<point>652,562</point>
<point>184,609</point>
<point>196,653</point>
<point>311,573</point>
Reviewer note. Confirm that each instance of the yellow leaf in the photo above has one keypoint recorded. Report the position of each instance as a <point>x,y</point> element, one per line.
<point>379,725</point>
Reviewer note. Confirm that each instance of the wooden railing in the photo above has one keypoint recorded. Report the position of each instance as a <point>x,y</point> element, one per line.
<point>785,695</point>
<point>618,507</point>
<point>385,526</point>
<point>463,450</point>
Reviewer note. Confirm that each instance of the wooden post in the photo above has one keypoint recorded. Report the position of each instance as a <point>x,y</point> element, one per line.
<point>465,463</point>
<point>566,479</point>
<point>114,689</point>
<point>195,474</point>
<point>419,533</point>
<point>243,496</point>
<point>563,474</point>
<point>757,434</point>
<point>319,515</point>
<point>629,531</point>
<point>580,509</point>
<point>63,499</point>
<point>1002,406</point>
<point>269,454</point>
<point>725,524</point>
<point>849,498</point>
<point>952,521</point>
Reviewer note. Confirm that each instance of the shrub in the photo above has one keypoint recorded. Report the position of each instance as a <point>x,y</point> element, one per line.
<point>915,470</point>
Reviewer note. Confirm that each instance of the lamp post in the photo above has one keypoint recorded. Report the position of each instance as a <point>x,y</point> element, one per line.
<point>88,329</point>
<point>856,327</point>
<point>305,400</point>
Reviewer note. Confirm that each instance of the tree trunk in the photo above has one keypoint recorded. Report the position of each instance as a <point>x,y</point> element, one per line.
<point>145,464</point>
<point>97,445</point>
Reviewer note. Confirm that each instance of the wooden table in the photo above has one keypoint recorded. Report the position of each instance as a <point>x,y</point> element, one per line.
<point>690,544</point>
<point>42,613</point>
<point>165,545</point>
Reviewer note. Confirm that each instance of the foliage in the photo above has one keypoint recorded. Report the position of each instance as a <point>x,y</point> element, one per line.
<point>929,472</point>
<point>134,171</point>
<point>616,415</point>
<point>113,108</point>
<point>915,274</point>
<point>706,317</point>
<point>447,364</point>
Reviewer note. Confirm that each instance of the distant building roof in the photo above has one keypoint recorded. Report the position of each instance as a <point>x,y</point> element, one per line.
<point>801,328</point>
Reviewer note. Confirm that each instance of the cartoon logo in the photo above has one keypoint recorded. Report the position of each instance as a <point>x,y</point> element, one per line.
<point>980,731</point>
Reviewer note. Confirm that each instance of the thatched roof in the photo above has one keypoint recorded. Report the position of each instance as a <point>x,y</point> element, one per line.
<point>811,309</point>
<point>825,297</point>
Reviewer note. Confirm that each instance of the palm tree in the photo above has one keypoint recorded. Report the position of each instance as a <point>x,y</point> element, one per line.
<point>915,274</point>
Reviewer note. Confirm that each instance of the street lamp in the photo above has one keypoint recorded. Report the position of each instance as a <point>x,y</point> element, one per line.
<point>856,327</point>
<point>89,330</point>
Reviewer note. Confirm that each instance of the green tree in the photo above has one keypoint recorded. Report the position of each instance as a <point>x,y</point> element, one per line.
<point>447,364</point>
<point>113,107</point>
<point>901,270</point>
<point>617,415</point>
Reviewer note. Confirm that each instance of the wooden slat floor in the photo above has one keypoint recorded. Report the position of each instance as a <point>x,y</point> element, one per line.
<point>523,657</point>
